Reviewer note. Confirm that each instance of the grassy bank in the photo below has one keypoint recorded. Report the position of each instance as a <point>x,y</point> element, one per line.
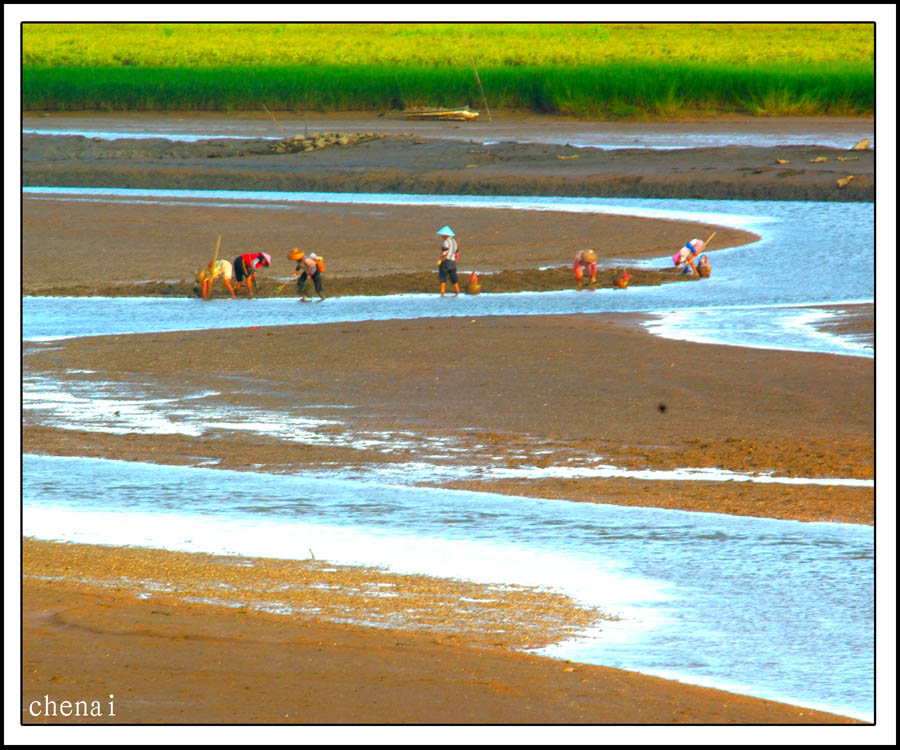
<point>584,70</point>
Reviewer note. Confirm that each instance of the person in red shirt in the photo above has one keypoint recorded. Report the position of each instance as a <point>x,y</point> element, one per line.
<point>245,268</point>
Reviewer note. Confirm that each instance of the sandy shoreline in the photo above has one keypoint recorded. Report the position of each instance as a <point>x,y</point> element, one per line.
<point>167,660</point>
<point>584,386</point>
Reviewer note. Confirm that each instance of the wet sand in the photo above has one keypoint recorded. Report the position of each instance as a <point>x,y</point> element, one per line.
<point>153,248</point>
<point>166,660</point>
<point>585,387</point>
<point>505,125</point>
<point>582,388</point>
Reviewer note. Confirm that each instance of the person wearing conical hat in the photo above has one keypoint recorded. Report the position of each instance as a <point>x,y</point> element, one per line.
<point>447,262</point>
<point>245,268</point>
<point>586,261</point>
<point>309,266</point>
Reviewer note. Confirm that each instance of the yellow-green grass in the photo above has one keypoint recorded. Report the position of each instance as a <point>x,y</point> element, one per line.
<point>216,45</point>
<point>587,70</point>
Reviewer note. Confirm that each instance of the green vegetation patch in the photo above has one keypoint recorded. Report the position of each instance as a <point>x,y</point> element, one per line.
<point>585,70</point>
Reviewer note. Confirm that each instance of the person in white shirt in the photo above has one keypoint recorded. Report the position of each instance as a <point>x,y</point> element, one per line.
<point>447,262</point>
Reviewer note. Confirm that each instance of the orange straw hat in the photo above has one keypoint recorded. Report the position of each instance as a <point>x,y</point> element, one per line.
<point>589,256</point>
<point>295,254</point>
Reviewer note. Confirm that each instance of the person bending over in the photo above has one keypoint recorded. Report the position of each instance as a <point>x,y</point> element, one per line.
<point>245,267</point>
<point>309,266</point>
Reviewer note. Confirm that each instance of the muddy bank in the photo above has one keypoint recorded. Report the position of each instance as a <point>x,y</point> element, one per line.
<point>411,164</point>
<point>505,125</point>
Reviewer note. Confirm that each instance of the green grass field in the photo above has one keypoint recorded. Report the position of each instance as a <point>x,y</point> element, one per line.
<point>583,70</point>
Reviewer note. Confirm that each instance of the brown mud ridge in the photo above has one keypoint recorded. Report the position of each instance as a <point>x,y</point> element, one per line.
<point>423,282</point>
<point>408,164</point>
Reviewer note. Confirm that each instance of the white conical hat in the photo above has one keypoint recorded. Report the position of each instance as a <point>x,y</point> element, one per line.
<point>447,231</point>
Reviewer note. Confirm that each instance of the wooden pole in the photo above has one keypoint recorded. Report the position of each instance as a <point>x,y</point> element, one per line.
<point>477,78</point>
<point>275,121</point>
<point>690,261</point>
<point>212,263</point>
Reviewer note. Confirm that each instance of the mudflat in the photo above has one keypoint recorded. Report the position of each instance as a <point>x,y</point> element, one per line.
<point>581,387</point>
<point>500,159</point>
<point>153,248</point>
<point>74,248</point>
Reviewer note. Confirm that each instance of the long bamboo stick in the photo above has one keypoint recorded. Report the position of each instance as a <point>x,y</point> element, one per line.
<point>212,263</point>
<point>275,121</point>
<point>477,77</point>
